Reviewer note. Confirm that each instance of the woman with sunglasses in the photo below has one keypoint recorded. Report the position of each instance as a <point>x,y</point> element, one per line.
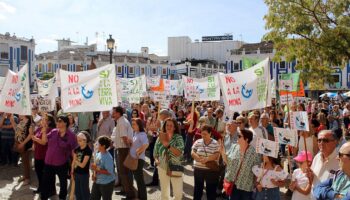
<point>60,145</point>
<point>240,159</point>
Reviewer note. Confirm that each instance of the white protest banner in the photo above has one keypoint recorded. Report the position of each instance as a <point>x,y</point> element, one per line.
<point>152,82</point>
<point>267,147</point>
<point>299,121</point>
<point>286,85</point>
<point>286,136</point>
<point>88,91</point>
<point>47,87</point>
<point>248,89</point>
<point>162,98</point>
<point>284,99</point>
<point>207,88</point>
<point>132,89</point>
<point>175,87</point>
<point>15,96</point>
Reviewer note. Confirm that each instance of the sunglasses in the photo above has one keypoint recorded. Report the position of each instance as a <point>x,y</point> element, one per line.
<point>324,140</point>
<point>340,155</point>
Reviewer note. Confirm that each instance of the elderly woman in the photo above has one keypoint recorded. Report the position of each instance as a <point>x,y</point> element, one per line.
<point>168,152</point>
<point>60,145</point>
<point>240,160</point>
<point>205,153</point>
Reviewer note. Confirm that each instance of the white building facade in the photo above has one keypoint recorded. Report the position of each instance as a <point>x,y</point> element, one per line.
<point>15,52</point>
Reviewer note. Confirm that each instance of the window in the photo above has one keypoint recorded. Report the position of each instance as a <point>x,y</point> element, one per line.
<point>24,53</point>
<point>283,65</point>
<point>154,71</point>
<point>49,67</point>
<point>131,70</point>
<point>40,68</point>
<point>235,66</point>
<point>164,71</point>
<point>142,70</point>
<point>119,69</point>
<point>3,70</point>
<point>4,51</point>
<point>64,67</point>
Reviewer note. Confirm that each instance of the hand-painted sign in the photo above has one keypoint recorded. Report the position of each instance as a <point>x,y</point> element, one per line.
<point>286,136</point>
<point>207,88</point>
<point>299,121</point>
<point>267,147</point>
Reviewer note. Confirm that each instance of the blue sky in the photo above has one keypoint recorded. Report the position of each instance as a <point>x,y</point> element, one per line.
<point>133,23</point>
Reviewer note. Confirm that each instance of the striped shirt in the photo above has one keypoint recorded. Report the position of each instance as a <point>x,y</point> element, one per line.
<point>203,150</point>
<point>160,151</point>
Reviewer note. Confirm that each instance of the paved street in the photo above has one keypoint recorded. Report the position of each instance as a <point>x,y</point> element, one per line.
<point>11,189</point>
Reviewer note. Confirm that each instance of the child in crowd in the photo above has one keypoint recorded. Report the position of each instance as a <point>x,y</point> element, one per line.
<point>103,168</point>
<point>270,177</point>
<point>301,184</point>
<point>80,166</point>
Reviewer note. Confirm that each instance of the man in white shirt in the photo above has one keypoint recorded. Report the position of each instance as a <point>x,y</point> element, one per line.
<point>325,163</point>
<point>122,136</point>
<point>258,131</point>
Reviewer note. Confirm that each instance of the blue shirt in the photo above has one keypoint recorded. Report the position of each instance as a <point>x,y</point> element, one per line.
<point>105,161</point>
<point>138,140</point>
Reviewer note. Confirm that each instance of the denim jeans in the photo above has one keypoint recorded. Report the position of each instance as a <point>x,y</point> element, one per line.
<point>82,190</point>
<point>8,156</point>
<point>269,193</point>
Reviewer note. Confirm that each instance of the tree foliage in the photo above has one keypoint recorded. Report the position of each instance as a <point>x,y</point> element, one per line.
<point>316,33</point>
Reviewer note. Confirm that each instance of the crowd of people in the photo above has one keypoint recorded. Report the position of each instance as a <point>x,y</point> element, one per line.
<point>110,148</point>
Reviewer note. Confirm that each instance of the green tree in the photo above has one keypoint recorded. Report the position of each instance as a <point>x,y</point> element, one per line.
<point>316,33</point>
<point>47,76</point>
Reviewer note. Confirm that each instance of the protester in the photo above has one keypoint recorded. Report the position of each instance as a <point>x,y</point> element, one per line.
<point>240,160</point>
<point>122,135</point>
<point>205,153</point>
<point>72,125</point>
<point>103,168</point>
<point>302,183</point>
<point>7,125</point>
<point>40,147</point>
<point>270,177</point>
<point>168,153</point>
<point>337,187</point>
<point>60,145</point>
<point>23,142</point>
<point>257,130</point>
<point>105,125</point>
<point>152,127</point>
<point>138,147</point>
<point>85,121</point>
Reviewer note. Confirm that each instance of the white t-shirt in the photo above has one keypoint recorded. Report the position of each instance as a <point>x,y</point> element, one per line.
<point>270,174</point>
<point>302,182</point>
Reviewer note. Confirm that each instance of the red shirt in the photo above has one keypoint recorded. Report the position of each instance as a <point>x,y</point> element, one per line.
<point>40,150</point>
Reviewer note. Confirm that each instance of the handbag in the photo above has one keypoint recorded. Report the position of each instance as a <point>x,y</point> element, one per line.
<point>230,185</point>
<point>173,170</point>
<point>212,165</point>
<point>130,162</point>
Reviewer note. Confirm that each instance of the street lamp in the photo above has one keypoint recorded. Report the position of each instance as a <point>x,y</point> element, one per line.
<point>110,47</point>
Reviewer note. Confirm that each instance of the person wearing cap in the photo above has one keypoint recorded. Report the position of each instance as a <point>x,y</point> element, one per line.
<point>258,131</point>
<point>337,187</point>
<point>60,144</point>
<point>301,183</point>
<point>325,163</point>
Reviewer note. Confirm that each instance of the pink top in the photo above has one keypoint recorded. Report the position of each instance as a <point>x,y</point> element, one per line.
<point>40,150</point>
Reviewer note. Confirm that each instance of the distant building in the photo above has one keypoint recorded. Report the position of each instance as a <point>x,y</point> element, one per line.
<point>255,52</point>
<point>15,52</point>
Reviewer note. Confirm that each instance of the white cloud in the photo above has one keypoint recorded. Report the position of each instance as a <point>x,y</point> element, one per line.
<point>7,8</point>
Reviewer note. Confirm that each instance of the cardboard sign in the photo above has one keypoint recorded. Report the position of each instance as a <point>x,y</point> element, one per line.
<point>267,147</point>
<point>299,121</point>
<point>286,136</point>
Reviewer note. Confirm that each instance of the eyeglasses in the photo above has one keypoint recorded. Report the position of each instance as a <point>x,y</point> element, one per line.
<point>340,155</point>
<point>324,140</point>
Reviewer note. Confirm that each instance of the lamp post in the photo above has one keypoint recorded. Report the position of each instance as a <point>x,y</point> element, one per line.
<point>110,47</point>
